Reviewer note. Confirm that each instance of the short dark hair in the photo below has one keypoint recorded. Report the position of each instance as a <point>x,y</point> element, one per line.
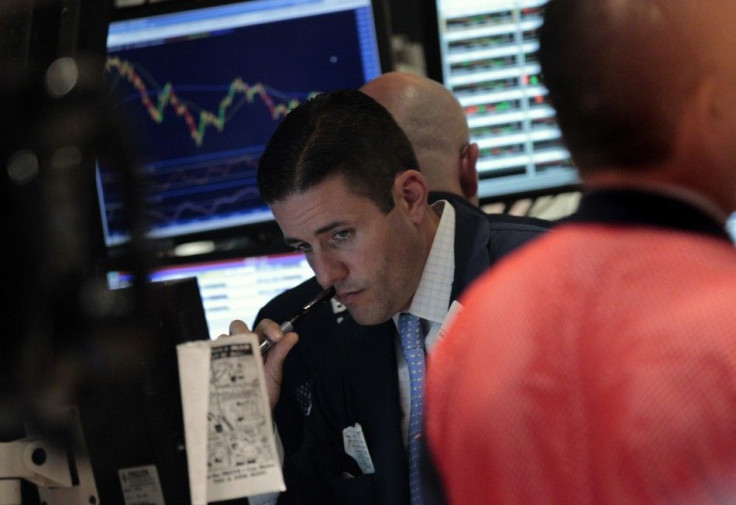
<point>604,71</point>
<point>342,132</point>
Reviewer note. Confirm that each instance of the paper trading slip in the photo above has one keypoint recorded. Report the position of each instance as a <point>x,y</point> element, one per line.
<point>231,451</point>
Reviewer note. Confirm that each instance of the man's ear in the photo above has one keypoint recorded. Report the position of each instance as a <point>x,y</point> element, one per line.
<point>469,172</point>
<point>410,190</point>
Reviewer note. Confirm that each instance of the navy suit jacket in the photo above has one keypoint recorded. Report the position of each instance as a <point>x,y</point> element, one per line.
<point>345,373</point>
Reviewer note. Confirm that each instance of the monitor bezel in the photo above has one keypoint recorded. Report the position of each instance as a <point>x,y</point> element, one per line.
<point>380,15</point>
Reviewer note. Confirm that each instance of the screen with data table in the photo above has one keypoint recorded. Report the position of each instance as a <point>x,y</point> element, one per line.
<point>234,288</point>
<point>488,57</point>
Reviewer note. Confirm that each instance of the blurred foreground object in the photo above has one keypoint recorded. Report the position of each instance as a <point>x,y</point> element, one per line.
<point>66,339</point>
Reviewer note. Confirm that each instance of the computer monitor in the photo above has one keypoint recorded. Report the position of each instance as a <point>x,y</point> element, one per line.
<point>731,226</point>
<point>131,416</point>
<point>235,288</point>
<point>204,85</point>
<point>485,52</point>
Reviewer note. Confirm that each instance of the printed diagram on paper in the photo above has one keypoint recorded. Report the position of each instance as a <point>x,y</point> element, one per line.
<point>240,443</point>
<point>231,447</point>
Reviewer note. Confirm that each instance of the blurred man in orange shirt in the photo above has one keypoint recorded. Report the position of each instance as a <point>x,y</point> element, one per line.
<point>611,378</point>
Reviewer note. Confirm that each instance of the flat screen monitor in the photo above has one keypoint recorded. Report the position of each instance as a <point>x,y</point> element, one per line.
<point>130,406</point>
<point>204,88</point>
<point>234,288</point>
<point>485,52</point>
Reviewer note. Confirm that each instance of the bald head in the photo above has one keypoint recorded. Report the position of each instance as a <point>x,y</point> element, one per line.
<point>436,125</point>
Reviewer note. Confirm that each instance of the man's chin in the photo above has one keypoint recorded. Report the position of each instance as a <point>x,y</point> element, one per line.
<point>367,318</point>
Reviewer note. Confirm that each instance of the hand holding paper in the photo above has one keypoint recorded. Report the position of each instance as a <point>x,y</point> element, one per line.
<point>273,363</point>
<point>227,418</point>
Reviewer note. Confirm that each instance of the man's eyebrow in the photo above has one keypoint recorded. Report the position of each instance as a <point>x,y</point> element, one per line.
<point>291,241</point>
<point>329,227</point>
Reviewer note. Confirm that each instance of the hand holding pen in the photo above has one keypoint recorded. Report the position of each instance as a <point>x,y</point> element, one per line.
<point>288,326</point>
<point>273,363</point>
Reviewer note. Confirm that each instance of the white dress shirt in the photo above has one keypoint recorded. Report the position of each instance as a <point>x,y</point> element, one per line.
<point>431,299</point>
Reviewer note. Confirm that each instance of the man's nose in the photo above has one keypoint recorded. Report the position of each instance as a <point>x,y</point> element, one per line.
<point>328,269</point>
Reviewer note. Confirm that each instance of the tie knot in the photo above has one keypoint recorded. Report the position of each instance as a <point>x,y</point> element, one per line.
<point>410,329</point>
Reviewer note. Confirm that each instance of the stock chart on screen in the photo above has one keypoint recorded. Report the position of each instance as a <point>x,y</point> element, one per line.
<point>203,90</point>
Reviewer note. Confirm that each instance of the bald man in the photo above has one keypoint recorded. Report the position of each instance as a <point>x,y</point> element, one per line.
<point>612,378</point>
<point>437,128</point>
<point>425,110</point>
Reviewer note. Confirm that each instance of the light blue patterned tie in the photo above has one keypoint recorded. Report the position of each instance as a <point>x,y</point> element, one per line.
<point>412,342</point>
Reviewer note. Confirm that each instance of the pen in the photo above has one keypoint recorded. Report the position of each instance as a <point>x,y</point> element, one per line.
<point>288,326</point>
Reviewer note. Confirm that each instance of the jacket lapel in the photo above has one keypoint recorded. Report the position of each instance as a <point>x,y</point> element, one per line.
<point>368,358</point>
<point>472,239</point>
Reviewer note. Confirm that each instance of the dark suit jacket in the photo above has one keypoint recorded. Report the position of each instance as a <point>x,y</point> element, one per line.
<point>358,377</point>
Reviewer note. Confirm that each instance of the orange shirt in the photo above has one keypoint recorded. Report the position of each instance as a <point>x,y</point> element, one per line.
<point>595,366</point>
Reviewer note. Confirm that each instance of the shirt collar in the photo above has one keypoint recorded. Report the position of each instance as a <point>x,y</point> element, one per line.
<point>432,297</point>
<point>635,207</point>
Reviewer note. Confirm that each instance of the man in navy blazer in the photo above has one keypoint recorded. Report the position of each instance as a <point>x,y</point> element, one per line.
<point>435,123</point>
<point>358,383</point>
<point>342,180</point>
<point>304,361</point>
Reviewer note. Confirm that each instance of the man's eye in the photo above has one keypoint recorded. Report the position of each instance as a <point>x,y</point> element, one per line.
<point>303,248</point>
<point>341,236</point>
